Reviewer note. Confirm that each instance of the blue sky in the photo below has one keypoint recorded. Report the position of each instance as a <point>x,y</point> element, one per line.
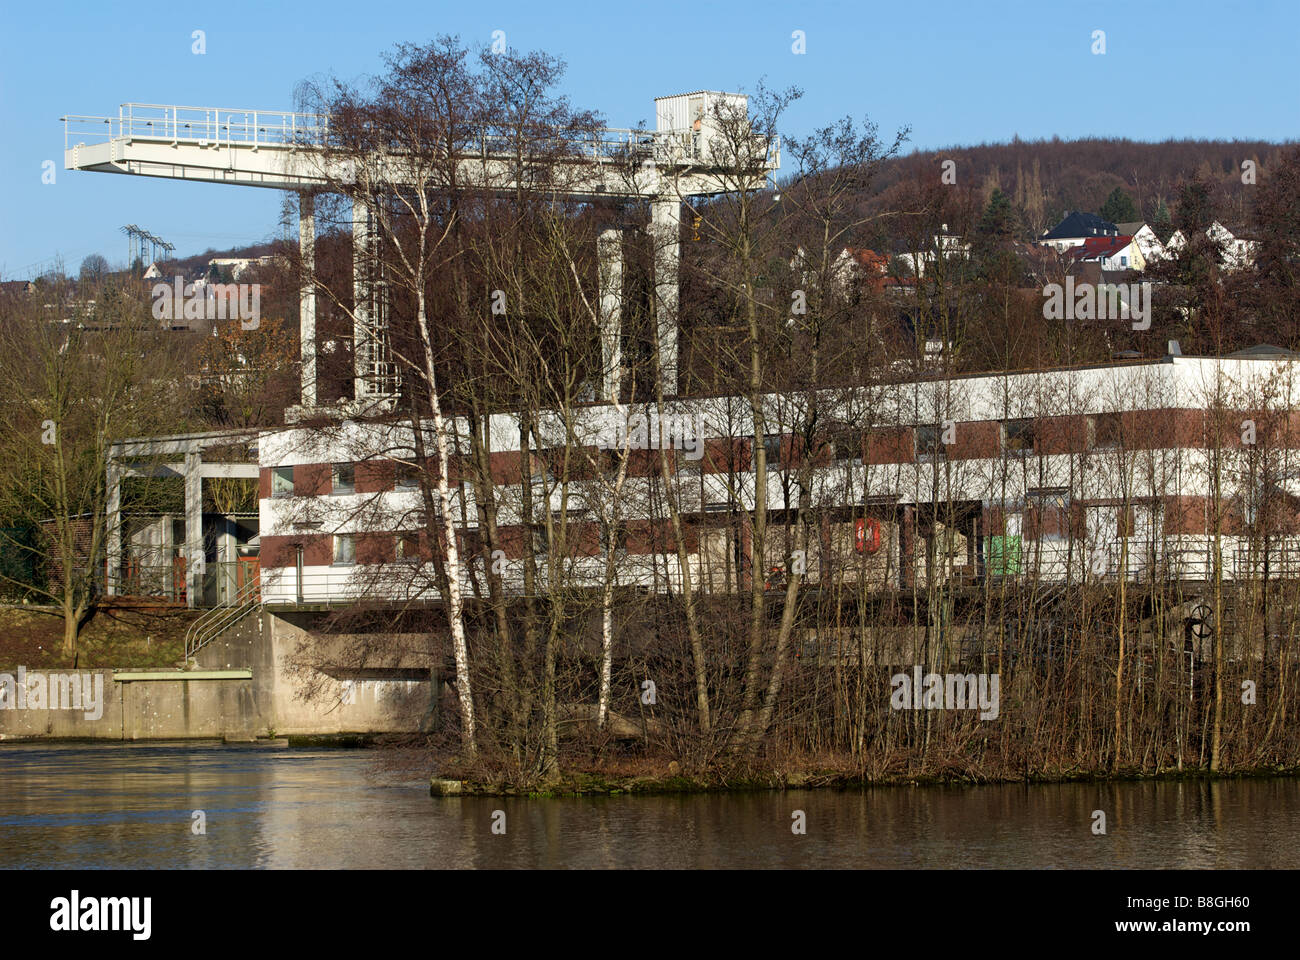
<point>959,73</point>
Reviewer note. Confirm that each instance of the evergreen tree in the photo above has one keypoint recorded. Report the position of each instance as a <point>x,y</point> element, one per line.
<point>1162,222</point>
<point>1119,207</point>
<point>999,219</point>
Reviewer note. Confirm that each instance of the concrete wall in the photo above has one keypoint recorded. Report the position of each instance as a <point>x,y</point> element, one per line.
<point>306,700</point>
<point>136,708</point>
<point>245,686</point>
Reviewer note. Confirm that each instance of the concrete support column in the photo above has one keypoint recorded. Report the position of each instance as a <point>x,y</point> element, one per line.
<point>665,233</point>
<point>363,319</point>
<point>194,562</point>
<point>307,295</point>
<point>610,255</point>
<point>226,557</point>
<point>113,523</point>
<point>165,552</point>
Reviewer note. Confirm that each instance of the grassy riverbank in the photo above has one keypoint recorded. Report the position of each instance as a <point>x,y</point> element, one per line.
<point>658,778</point>
<point>122,637</point>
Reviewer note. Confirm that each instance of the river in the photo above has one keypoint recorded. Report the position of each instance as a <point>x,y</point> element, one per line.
<point>133,805</point>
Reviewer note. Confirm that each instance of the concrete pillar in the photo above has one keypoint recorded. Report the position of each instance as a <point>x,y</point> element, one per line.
<point>610,255</point>
<point>113,533</point>
<point>307,295</point>
<point>194,563</point>
<point>665,233</point>
<point>165,553</point>
<point>363,296</point>
<point>226,590</point>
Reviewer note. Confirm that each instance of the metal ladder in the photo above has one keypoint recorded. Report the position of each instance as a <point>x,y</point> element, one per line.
<point>209,626</point>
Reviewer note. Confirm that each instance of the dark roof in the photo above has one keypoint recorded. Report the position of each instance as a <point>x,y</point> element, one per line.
<point>1078,224</point>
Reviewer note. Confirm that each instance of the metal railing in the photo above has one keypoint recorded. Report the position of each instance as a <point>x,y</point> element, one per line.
<point>1252,562</point>
<point>145,581</point>
<point>209,626</point>
<point>213,126</point>
<point>1142,560</point>
<point>206,125</point>
<point>1147,559</point>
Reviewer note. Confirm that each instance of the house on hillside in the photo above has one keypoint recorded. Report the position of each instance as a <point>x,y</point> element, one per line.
<point>863,263</point>
<point>871,266</point>
<point>17,288</point>
<point>1146,240</point>
<point>944,244</point>
<point>1112,253</point>
<point>235,267</point>
<point>1237,250</point>
<point>1075,229</point>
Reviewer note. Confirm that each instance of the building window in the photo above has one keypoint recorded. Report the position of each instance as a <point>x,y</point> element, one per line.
<point>345,549</point>
<point>1106,431</point>
<point>613,458</point>
<point>1051,510</point>
<point>408,547</point>
<point>771,450</point>
<point>1018,436</point>
<point>619,538</point>
<point>282,481</point>
<point>345,475</point>
<point>1123,261</point>
<point>846,445</point>
<point>408,477</point>
<point>929,444</point>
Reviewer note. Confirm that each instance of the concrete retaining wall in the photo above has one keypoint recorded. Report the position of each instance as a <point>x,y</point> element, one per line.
<point>244,687</point>
<point>139,706</point>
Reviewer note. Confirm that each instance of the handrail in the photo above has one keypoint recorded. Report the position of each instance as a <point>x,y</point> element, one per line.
<point>287,128</point>
<point>212,622</point>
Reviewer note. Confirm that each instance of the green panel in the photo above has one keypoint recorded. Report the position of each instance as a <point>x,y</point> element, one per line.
<point>1003,555</point>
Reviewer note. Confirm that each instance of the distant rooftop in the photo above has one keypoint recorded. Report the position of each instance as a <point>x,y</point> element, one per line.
<point>1078,224</point>
<point>1264,351</point>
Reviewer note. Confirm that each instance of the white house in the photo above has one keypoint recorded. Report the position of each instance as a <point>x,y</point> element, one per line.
<point>1113,253</point>
<point>942,244</point>
<point>1238,252</point>
<point>1145,238</point>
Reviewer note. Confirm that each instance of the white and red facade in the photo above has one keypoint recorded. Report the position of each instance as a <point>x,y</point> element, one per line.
<point>1060,474</point>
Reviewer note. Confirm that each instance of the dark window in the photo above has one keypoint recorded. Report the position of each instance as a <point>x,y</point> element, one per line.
<point>408,546</point>
<point>771,450</point>
<point>613,458</point>
<point>718,503</point>
<point>1106,430</point>
<point>408,477</point>
<point>846,445</point>
<point>929,444</point>
<point>620,538</point>
<point>345,475</point>
<point>1018,436</point>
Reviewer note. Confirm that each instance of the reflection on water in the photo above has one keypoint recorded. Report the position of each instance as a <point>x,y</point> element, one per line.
<point>130,805</point>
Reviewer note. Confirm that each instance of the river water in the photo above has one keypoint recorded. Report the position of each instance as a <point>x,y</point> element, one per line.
<point>132,805</point>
